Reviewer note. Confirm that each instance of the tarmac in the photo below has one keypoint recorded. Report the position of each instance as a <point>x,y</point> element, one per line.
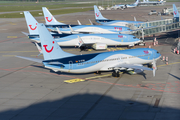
<point>30,92</point>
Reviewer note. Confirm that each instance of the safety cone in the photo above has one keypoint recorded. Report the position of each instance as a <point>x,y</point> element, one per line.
<point>166,59</point>
<point>154,39</point>
<point>163,57</point>
<point>156,42</point>
<point>178,52</point>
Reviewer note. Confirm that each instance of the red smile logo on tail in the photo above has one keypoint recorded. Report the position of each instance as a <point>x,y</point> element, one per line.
<point>50,19</point>
<point>175,12</point>
<point>97,15</point>
<point>33,28</point>
<point>146,52</point>
<point>48,51</point>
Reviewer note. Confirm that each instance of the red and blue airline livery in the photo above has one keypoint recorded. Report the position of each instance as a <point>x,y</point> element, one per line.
<point>58,60</point>
<point>53,24</point>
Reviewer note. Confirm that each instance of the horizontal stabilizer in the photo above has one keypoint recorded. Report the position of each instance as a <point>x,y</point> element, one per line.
<point>25,33</point>
<point>79,22</point>
<point>31,59</point>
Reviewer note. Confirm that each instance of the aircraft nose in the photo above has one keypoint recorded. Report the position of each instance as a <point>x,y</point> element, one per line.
<point>158,54</point>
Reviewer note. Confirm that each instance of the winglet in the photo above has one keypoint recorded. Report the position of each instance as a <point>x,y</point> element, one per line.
<point>79,22</point>
<point>90,22</point>
<point>98,14</point>
<point>134,18</point>
<point>80,41</point>
<point>71,28</point>
<point>49,18</point>
<point>40,50</point>
<point>58,30</point>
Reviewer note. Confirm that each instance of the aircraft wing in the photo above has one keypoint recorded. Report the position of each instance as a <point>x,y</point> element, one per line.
<point>31,59</point>
<point>133,66</point>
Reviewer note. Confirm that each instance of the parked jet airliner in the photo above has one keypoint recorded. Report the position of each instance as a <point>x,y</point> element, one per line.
<point>52,24</point>
<point>58,60</point>
<point>104,21</point>
<point>126,5</point>
<point>95,40</point>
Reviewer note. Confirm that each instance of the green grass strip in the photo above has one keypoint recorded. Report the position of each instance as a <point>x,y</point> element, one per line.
<point>36,13</point>
<point>39,7</point>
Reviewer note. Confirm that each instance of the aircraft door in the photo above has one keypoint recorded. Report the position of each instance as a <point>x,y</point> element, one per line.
<point>70,65</point>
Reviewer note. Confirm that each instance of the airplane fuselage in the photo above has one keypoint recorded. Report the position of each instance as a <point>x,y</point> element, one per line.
<point>102,61</point>
<point>108,39</point>
<point>90,28</point>
<point>117,22</point>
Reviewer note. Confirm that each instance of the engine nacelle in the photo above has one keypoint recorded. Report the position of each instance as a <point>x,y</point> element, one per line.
<point>99,46</point>
<point>135,71</point>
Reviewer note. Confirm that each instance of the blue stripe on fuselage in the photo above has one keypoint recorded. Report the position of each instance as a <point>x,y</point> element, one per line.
<point>106,22</point>
<point>116,29</point>
<point>67,37</point>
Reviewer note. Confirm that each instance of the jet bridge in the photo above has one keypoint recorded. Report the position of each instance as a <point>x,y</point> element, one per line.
<point>134,26</point>
<point>157,29</point>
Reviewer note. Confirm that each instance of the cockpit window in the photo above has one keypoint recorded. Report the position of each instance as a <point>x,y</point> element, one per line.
<point>157,52</point>
<point>134,37</point>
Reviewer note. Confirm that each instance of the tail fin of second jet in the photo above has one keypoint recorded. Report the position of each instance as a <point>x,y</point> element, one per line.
<point>31,23</point>
<point>49,18</point>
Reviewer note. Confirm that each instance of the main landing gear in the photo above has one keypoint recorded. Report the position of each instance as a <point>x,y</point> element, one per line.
<point>116,73</point>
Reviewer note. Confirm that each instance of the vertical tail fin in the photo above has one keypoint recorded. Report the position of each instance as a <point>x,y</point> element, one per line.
<point>98,14</point>
<point>136,3</point>
<point>49,18</point>
<point>31,23</point>
<point>51,50</point>
<point>175,12</point>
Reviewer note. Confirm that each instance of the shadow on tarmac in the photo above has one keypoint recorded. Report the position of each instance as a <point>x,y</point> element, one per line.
<point>90,107</point>
<point>174,76</point>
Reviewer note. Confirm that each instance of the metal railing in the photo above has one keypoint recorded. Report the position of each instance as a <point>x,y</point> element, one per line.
<point>157,29</point>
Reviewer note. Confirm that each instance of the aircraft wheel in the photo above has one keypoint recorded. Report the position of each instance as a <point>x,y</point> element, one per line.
<point>115,74</point>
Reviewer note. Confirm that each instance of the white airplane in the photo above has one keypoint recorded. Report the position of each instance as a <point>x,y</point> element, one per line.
<point>122,6</point>
<point>52,24</point>
<point>147,2</point>
<point>58,60</point>
<point>132,5</point>
<point>97,41</point>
